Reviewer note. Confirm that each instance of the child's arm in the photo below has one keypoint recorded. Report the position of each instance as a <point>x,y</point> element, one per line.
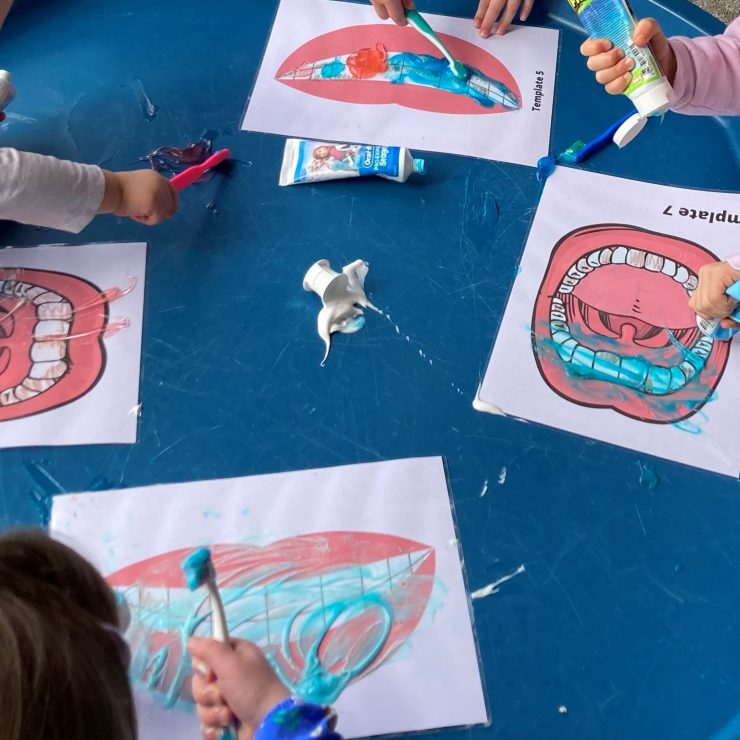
<point>242,684</point>
<point>704,72</point>
<point>45,191</point>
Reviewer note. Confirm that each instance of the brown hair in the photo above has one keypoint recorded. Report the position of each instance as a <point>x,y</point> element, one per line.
<point>62,673</point>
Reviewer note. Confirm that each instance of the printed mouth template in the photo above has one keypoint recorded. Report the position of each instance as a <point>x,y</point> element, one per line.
<point>384,64</point>
<point>612,327</point>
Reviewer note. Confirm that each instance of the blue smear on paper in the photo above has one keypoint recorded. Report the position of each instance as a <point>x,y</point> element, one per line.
<point>332,70</point>
<point>148,109</point>
<point>211,515</point>
<point>648,477</point>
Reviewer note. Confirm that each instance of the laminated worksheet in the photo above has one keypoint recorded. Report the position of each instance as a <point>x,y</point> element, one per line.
<point>348,578</point>
<point>598,337</point>
<point>334,71</point>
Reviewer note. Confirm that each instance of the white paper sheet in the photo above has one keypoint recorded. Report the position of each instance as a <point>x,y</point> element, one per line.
<point>524,59</point>
<point>622,309</point>
<point>431,680</point>
<point>62,381</point>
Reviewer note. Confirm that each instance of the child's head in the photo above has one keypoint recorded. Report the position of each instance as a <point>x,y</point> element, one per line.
<point>62,663</point>
<point>322,152</point>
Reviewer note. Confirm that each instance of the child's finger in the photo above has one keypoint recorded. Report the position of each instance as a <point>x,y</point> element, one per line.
<point>606,60</point>
<point>396,12</point>
<point>480,14</point>
<point>526,10</point>
<point>214,716</point>
<point>591,47</point>
<point>381,11</point>
<point>409,4</point>
<point>644,31</point>
<point>494,9</point>
<point>729,324</point>
<point>605,76</point>
<point>618,86</point>
<point>508,17</point>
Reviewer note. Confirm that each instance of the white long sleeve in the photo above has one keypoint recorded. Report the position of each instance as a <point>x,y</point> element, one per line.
<point>46,191</point>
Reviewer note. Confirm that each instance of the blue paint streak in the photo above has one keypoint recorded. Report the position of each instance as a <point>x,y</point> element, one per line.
<point>423,69</point>
<point>333,70</point>
<point>648,477</point>
<point>197,568</point>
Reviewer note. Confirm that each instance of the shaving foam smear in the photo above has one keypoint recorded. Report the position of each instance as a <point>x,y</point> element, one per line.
<point>343,297</point>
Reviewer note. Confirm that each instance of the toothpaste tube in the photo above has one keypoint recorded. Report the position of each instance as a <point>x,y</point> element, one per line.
<point>7,91</point>
<point>649,90</point>
<point>313,161</point>
<point>713,327</point>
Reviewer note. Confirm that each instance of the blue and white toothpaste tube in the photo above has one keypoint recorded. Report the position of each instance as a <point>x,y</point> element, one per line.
<point>314,161</point>
<point>713,327</point>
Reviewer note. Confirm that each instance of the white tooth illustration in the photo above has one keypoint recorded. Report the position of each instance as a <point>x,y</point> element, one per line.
<point>570,281</point>
<point>575,273</point>
<point>48,369</point>
<point>687,369</point>
<point>40,385</point>
<point>669,267</point>
<point>61,311</point>
<point>653,262</point>
<point>691,283</point>
<point>565,289</point>
<point>605,256</point>
<point>682,274</point>
<point>583,266</point>
<point>7,397</point>
<point>23,393</point>
<point>47,297</point>
<point>559,327</point>
<point>557,314</point>
<point>48,351</point>
<point>34,292</point>
<point>52,329</point>
<point>636,257</point>
<point>619,256</point>
<point>607,363</point>
<point>593,259</point>
<point>567,348</point>
<point>584,356</point>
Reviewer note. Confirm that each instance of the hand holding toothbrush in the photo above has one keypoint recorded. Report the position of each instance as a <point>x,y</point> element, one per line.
<point>240,685</point>
<point>710,299</point>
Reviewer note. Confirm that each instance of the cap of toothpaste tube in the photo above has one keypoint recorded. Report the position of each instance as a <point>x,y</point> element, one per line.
<point>653,98</point>
<point>629,130</point>
<point>320,278</point>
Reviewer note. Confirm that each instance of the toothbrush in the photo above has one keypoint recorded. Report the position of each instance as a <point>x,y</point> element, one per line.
<point>199,571</point>
<point>191,174</point>
<point>457,68</point>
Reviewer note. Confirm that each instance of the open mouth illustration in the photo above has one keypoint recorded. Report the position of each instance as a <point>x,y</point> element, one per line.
<point>51,331</point>
<point>384,64</point>
<point>612,327</point>
<point>326,608</point>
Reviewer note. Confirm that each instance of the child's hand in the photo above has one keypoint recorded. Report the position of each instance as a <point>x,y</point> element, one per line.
<point>142,195</point>
<point>614,70</point>
<point>710,300</point>
<point>503,10</point>
<point>394,9</point>
<point>241,684</point>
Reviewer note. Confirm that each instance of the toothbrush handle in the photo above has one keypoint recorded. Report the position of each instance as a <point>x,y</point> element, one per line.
<point>218,615</point>
<point>418,21</point>
<point>734,292</point>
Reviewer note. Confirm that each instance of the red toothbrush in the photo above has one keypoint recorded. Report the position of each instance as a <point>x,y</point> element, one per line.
<point>191,174</point>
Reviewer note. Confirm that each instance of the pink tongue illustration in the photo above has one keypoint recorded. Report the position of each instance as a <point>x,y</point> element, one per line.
<point>624,291</point>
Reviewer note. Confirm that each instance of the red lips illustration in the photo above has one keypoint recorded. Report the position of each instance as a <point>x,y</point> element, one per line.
<point>51,330</point>
<point>331,589</point>
<point>360,52</point>
<point>612,327</point>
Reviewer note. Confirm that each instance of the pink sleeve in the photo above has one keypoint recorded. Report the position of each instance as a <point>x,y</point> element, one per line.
<point>708,73</point>
<point>734,261</point>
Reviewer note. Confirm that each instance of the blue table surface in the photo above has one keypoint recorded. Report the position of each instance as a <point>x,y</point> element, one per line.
<point>627,613</point>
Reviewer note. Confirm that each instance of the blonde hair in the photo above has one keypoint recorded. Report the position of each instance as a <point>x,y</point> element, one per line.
<point>62,672</point>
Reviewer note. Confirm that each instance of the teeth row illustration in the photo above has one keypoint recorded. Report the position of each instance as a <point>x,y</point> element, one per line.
<point>634,372</point>
<point>49,348</point>
<point>633,257</point>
